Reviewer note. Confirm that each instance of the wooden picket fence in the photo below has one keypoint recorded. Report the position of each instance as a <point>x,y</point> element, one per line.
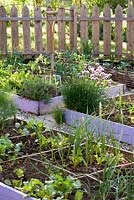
<point>62,20</point>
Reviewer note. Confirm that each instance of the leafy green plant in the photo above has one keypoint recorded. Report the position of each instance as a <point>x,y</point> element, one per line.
<point>58,115</point>
<point>57,187</point>
<point>82,96</point>
<point>14,81</point>
<point>7,108</point>
<point>7,148</point>
<point>15,59</point>
<point>131,109</point>
<point>68,64</point>
<point>37,89</point>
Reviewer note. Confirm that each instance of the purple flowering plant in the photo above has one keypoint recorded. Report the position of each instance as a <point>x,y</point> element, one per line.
<point>95,73</point>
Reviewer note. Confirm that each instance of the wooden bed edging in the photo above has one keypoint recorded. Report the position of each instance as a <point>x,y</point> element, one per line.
<point>120,132</point>
<point>9,193</point>
<point>35,107</point>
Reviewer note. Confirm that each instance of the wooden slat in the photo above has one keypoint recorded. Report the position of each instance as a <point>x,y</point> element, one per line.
<point>3,32</point>
<point>71,24</point>
<point>118,31</point>
<point>61,30</point>
<point>26,30</point>
<point>48,33</point>
<point>14,29</point>
<point>38,29</point>
<point>83,23</point>
<point>95,30</point>
<point>130,30</point>
<point>107,31</point>
<point>73,28</point>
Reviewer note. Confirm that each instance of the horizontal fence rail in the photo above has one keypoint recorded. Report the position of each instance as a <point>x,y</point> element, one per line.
<point>66,29</point>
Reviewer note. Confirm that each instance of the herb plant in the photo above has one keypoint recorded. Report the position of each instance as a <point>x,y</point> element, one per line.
<point>95,73</point>
<point>37,89</point>
<point>83,95</point>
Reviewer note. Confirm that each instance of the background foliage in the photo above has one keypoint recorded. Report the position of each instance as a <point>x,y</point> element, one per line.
<point>68,3</point>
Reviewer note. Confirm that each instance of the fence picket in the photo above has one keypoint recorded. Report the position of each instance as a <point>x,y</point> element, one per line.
<point>61,29</point>
<point>26,30</point>
<point>118,31</point>
<point>107,30</point>
<point>73,27</point>
<point>95,30</point>
<point>14,29</point>
<point>130,29</point>
<point>3,32</point>
<point>83,23</point>
<point>38,29</point>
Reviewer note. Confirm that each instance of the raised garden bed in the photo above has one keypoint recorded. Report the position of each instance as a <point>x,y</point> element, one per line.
<point>37,107</point>
<point>97,125</point>
<point>40,108</point>
<point>115,90</point>
<point>56,158</point>
<point>7,193</point>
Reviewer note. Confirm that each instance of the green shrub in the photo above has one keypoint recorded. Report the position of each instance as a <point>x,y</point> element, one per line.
<point>58,115</point>
<point>37,89</point>
<point>82,96</point>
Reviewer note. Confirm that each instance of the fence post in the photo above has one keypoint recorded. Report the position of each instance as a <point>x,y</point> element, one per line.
<point>118,31</point>
<point>83,23</point>
<point>26,30</point>
<point>107,30</point>
<point>14,29</point>
<point>61,29</point>
<point>38,29</point>
<point>130,30</point>
<point>95,30</point>
<point>73,27</point>
<point>3,32</point>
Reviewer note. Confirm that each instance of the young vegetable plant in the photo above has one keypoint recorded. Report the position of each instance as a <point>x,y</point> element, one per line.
<point>58,115</point>
<point>7,148</point>
<point>76,156</point>
<point>57,187</point>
